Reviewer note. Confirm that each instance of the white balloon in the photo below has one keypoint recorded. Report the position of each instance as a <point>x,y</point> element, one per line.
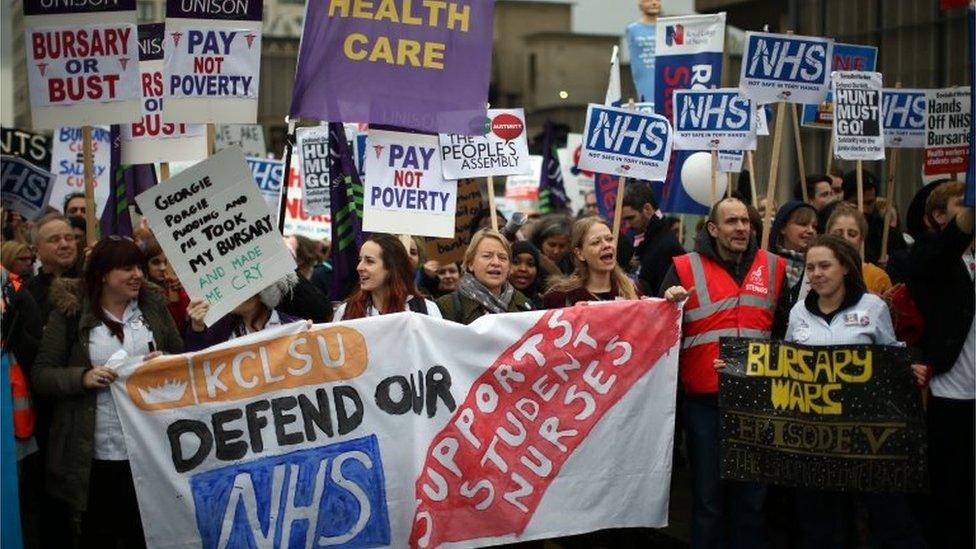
<point>696,178</point>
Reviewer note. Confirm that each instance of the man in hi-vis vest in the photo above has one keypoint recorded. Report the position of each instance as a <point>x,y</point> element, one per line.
<point>733,289</point>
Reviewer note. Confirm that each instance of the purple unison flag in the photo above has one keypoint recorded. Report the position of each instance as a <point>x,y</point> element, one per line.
<point>347,226</point>
<point>127,182</point>
<point>410,65</point>
<point>552,191</point>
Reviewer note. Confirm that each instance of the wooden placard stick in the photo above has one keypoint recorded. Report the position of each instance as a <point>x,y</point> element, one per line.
<point>860,186</point>
<point>752,179</point>
<point>889,204</point>
<point>728,185</point>
<point>88,162</point>
<point>211,138</point>
<point>799,153</point>
<point>714,195</point>
<point>618,206</point>
<point>163,171</point>
<point>830,151</point>
<point>773,169</point>
<point>491,203</point>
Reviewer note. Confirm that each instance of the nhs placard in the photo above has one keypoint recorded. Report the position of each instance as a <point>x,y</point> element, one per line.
<point>786,67</point>
<point>713,119</point>
<point>903,116</point>
<point>624,142</point>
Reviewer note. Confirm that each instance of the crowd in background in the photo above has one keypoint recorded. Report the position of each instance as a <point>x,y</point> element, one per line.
<point>71,309</point>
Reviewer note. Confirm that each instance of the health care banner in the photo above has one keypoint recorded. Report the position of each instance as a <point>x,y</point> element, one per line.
<point>903,117</point>
<point>32,147</point>
<point>786,67</point>
<point>947,123</point>
<point>26,188</point>
<point>405,191</point>
<point>212,61</point>
<point>405,430</point>
<point>689,56</point>
<point>846,57</point>
<point>501,149</point>
<point>67,165</point>
<point>835,418</point>
<point>626,143</point>
<point>219,234</point>
<point>419,65</point>
<point>151,140</point>
<point>82,62</point>
<point>713,120</point>
<point>857,128</point>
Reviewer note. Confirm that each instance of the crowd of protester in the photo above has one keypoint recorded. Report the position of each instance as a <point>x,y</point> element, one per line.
<point>71,311</point>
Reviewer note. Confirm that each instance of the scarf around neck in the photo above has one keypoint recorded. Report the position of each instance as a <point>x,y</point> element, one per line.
<point>471,288</point>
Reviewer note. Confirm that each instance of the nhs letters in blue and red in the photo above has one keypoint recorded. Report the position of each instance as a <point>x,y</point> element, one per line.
<point>903,117</point>
<point>82,62</point>
<point>26,188</point>
<point>846,57</point>
<point>786,67</point>
<point>713,120</point>
<point>150,140</point>
<point>626,143</point>
<point>212,61</point>
<point>689,56</point>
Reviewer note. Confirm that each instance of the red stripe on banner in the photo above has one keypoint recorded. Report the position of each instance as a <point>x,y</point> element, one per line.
<point>488,468</point>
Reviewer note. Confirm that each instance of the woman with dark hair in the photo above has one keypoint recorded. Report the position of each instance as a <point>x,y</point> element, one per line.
<point>110,313</point>
<point>839,311</point>
<point>525,271</point>
<point>484,287</point>
<point>158,272</point>
<point>794,227</point>
<point>551,237</point>
<point>448,276</point>
<point>596,275</point>
<point>385,282</point>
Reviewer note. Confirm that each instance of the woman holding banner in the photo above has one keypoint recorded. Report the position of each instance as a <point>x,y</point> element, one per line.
<point>257,313</point>
<point>838,310</point>
<point>484,287</point>
<point>386,282</point>
<point>110,314</point>
<point>596,275</point>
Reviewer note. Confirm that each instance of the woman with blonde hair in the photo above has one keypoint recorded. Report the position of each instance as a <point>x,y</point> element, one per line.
<point>484,287</point>
<point>596,275</point>
<point>851,225</point>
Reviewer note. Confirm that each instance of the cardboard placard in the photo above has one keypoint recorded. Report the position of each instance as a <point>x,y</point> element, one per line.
<point>249,137</point>
<point>214,225</point>
<point>26,188</point>
<point>67,165</point>
<point>846,57</point>
<point>502,150</point>
<point>857,128</point>
<point>32,147</point>
<point>469,204</point>
<point>786,67</point>
<point>947,124</point>
<point>903,115</point>
<point>313,150</point>
<point>713,120</point>
<point>627,143</point>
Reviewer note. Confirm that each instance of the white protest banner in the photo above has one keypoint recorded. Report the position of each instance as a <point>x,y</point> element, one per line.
<point>502,150</point>
<point>525,187</point>
<point>405,190</point>
<point>857,115</point>
<point>786,67</point>
<point>212,61</point>
<point>150,140</point>
<point>903,116</point>
<point>249,137</point>
<point>297,220</point>
<point>313,149</point>
<point>215,227</point>
<point>947,124</point>
<point>627,143</point>
<point>68,167</point>
<point>403,430</point>
<point>26,188</point>
<point>82,62</point>
<point>713,120</point>
<point>268,174</point>
<point>730,161</point>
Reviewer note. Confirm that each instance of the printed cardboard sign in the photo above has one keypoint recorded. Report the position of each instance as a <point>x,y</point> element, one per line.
<point>249,137</point>
<point>846,57</point>
<point>903,115</point>
<point>151,140</point>
<point>26,188</point>
<point>403,430</point>
<point>628,143</point>
<point>469,204</point>
<point>213,223</point>
<point>32,147</point>
<point>313,147</point>
<point>730,161</point>
<point>268,174</point>
<point>405,191</point>
<point>836,418</point>
<point>857,124</point>
<point>503,149</point>
<point>67,165</point>
<point>713,119</point>
<point>947,123</point>
<point>786,67</point>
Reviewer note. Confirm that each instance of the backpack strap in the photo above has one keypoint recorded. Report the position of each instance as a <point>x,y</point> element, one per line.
<point>417,305</point>
<point>457,306</point>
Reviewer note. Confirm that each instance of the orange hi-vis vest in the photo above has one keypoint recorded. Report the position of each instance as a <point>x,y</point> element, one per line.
<point>719,307</point>
<point>23,409</point>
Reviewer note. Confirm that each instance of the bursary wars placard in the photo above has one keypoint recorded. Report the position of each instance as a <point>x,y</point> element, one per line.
<point>844,417</point>
<point>857,115</point>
